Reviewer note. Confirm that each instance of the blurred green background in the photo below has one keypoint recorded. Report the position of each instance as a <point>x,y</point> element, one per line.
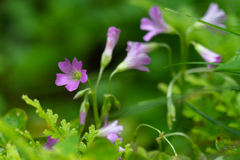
<point>36,35</point>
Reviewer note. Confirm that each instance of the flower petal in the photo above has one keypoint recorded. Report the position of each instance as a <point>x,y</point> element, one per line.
<point>142,68</point>
<point>66,66</point>
<point>147,24</point>
<point>63,79</point>
<point>147,37</point>
<point>73,85</point>
<point>76,65</point>
<point>84,76</point>
<point>212,9</point>
<point>112,137</point>
<point>83,116</point>
<point>50,143</point>
<point>156,14</point>
<point>139,59</point>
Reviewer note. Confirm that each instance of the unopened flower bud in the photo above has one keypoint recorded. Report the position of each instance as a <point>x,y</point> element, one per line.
<point>80,93</point>
<point>112,39</point>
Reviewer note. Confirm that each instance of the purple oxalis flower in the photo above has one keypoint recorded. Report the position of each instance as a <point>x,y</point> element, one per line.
<point>112,127</point>
<point>73,74</point>
<point>214,15</point>
<point>155,25</point>
<point>50,143</point>
<point>145,47</point>
<point>112,39</point>
<point>112,137</point>
<point>135,59</point>
<point>207,55</point>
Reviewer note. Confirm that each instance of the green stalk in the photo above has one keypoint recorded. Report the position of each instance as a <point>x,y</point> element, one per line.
<point>99,77</point>
<point>109,82</point>
<point>95,107</point>
<point>182,45</point>
<point>169,57</point>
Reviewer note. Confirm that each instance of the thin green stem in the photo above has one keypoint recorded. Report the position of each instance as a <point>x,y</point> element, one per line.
<point>110,78</point>
<point>99,77</point>
<point>180,134</point>
<point>146,125</point>
<point>160,134</point>
<point>170,55</point>
<point>170,105</point>
<point>95,107</point>
<point>175,153</point>
<point>182,47</point>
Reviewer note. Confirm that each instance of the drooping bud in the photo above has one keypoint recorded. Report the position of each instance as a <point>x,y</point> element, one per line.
<point>80,93</point>
<point>112,39</point>
<point>83,112</point>
<point>84,109</point>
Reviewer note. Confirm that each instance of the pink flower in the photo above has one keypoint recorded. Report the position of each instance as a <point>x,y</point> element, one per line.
<point>207,55</point>
<point>135,59</point>
<point>112,39</point>
<point>145,47</point>
<point>112,137</point>
<point>73,74</point>
<point>214,16</point>
<point>50,143</point>
<point>155,25</point>
<point>112,127</point>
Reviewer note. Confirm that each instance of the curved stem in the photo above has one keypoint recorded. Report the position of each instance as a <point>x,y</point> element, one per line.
<point>171,146</point>
<point>146,125</point>
<point>95,107</point>
<point>171,115</point>
<point>179,134</point>
<point>160,134</point>
<point>99,77</point>
<point>110,78</point>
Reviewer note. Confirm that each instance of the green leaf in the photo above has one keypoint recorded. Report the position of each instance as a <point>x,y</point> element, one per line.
<point>142,151</point>
<point>228,143</point>
<point>3,140</point>
<point>127,153</point>
<point>235,132</point>
<point>90,137</point>
<point>16,118</point>
<point>232,66</point>
<point>203,22</point>
<point>164,156</point>
<point>102,149</point>
<point>135,156</point>
<point>68,147</point>
<point>183,158</point>
<point>152,154</point>
<point>12,152</point>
